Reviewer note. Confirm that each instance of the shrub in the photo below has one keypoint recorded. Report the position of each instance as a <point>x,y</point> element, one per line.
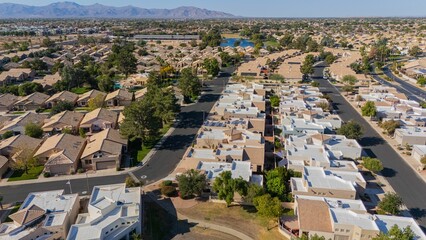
<point>46,174</point>
<point>80,170</point>
<point>167,183</point>
<point>168,190</point>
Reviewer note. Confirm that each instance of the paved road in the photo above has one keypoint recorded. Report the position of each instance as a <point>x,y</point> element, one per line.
<point>399,174</point>
<point>162,162</point>
<point>412,92</point>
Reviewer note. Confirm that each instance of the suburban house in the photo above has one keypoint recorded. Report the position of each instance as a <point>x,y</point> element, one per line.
<point>42,215</point>
<point>4,165</point>
<point>415,68</point>
<point>340,219</point>
<point>6,102</point>
<point>114,212</point>
<point>20,144</point>
<point>17,125</point>
<point>104,150</point>
<point>64,120</point>
<point>316,181</point>
<point>64,96</point>
<point>61,153</point>
<point>16,75</point>
<point>83,99</point>
<point>49,80</point>
<point>418,152</point>
<point>411,135</point>
<point>119,97</point>
<point>31,102</point>
<point>98,120</point>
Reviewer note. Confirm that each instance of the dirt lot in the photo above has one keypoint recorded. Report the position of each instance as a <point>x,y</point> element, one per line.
<point>243,219</point>
<point>201,233</point>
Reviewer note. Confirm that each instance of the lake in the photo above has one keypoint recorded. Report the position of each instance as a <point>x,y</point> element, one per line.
<point>229,42</point>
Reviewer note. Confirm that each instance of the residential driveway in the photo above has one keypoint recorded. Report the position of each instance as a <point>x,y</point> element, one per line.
<point>403,179</point>
<point>162,162</point>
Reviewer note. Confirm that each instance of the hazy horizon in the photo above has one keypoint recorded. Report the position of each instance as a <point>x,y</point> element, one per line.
<point>275,8</point>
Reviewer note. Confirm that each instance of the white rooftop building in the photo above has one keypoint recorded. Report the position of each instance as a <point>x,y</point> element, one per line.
<point>114,212</point>
<point>42,215</point>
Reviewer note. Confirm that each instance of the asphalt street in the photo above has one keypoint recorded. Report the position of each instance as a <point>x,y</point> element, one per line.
<point>400,175</point>
<point>161,164</point>
<point>412,92</point>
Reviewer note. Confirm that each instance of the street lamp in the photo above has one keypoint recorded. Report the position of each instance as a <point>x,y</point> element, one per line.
<point>69,184</point>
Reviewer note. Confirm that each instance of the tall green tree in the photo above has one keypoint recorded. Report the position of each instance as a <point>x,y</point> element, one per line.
<point>212,66</point>
<point>268,206</point>
<point>391,203</point>
<point>372,164</point>
<point>396,233</point>
<point>140,121</point>
<point>62,106</point>
<point>191,183</point>
<point>351,130</point>
<point>33,130</point>
<point>307,66</point>
<point>224,187</point>
<point>369,109</point>
<point>189,84</point>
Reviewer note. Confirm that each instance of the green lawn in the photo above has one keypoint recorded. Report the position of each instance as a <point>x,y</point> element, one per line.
<point>272,43</point>
<point>82,109</point>
<point>18,113</point>
<point>46,110</point>
<point>80,90</point>
<point>19,175</point>
<point>139,151</point>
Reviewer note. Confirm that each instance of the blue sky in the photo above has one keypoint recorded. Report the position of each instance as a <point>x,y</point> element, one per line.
<point>276,8</point>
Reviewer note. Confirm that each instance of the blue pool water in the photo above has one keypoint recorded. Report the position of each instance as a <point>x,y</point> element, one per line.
<point>229,42</point>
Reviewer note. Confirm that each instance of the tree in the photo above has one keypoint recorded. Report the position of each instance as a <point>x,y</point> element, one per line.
<point>191,183</point>
<point>224,187</point>
<point>47,42</point>
<point>351,130</point>
<point>277,77</point>
<point>308,65</point>
<point>165,103</point>
<point>24,160</point>
<point>212,66</point>
<point>315,84</point>
<point>7,134</point>
<point>415,51</point>
<point>96,102</point>
<point>390,126</point>
<point>33,130</point>
<point>253,190</point>
<point>276,182</point>
<point>140,121</point>
<point>324,106</point>
<point>372,164</point>
<point>275,101</point>
<point>369,109</point>
<point>268,206</point>
<point>349,80</point>
<point>29,88</point>
<point>396,233</point>
<point>62,106</point>
<point>391,203</point>
<point>105,84</point>
<point>347,89</point>
<point>421,80</point>
<point>422,160</point>
<point>130,182</point>
<point>330,59</point>
<point>189,84</point>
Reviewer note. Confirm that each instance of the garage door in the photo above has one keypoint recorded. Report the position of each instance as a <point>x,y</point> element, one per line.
<point>59,169</point>
<point>105,165</point>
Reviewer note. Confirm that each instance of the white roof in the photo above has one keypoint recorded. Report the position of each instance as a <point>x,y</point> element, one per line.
<point>237,168</point>
<point>385,223</point>
<point>347,217</point>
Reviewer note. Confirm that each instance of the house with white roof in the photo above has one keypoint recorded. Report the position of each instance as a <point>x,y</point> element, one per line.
<point>411,135</point>
<point>42,215</point>
<point>340,219</point>
<point>316,181</point>
<point>114,212</point>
